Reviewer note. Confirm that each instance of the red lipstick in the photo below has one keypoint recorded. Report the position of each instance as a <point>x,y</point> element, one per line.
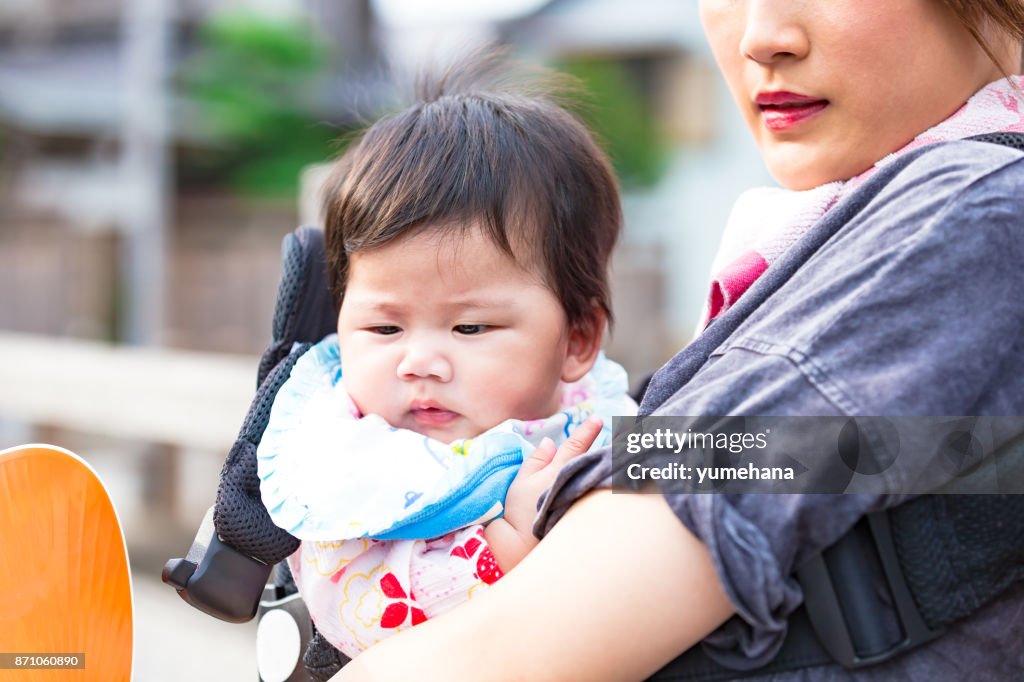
<point>783,110</point>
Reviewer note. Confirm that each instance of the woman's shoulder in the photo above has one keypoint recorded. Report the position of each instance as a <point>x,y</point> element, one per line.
<point>950,219</point>
<point>952,201</point>
<point>958,158</point>
<point>950,176</point>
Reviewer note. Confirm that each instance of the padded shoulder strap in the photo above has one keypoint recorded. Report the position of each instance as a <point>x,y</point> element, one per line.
<point>226,568</point>
<point>959,552</point>
<point>303,315</point>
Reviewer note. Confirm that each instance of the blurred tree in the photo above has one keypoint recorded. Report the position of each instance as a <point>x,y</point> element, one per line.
<point>253,86</point>
<point>616,109</point>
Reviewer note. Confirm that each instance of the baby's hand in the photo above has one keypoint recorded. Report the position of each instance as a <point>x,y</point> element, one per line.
<point>511,537</point>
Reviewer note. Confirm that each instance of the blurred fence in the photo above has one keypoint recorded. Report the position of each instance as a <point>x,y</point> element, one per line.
<point>180,399</point>
<point>222,270</point>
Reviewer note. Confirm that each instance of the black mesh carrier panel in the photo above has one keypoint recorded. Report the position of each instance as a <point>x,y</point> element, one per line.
<point>959,552</point>
<point>321,660</point>
<point>1014,140</point>
<point>239,515</point>
<point>304,314</point>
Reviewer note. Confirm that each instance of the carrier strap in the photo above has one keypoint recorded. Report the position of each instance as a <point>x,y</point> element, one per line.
<point>227,566</point>
<point>892,584</point>
<point>304,314</point>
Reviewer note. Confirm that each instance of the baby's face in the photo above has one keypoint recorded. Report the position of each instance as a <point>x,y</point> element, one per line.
<point>448,336</point>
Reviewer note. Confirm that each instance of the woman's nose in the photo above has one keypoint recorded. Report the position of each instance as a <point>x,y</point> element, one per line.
<point>773,31</point>
<point>424,361</point>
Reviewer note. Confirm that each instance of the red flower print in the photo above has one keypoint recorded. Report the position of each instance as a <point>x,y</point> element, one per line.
<point>396,614</point>
<point>467,550</point>
<point>390,586</point>
<point>487,569</point>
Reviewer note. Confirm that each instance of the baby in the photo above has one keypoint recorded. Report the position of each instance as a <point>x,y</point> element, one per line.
<point>468,240</point>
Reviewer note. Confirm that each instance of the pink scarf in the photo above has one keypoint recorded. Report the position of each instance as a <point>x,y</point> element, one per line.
<point>767,221</point>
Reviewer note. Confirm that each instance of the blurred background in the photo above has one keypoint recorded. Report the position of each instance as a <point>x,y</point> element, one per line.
<point>154,153</point>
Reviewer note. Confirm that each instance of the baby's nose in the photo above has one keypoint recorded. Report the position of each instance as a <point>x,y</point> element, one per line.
<point>421,361</point>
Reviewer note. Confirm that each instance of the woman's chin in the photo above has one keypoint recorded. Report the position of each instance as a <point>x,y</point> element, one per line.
<point>803,174</point>
<point>802,166</point>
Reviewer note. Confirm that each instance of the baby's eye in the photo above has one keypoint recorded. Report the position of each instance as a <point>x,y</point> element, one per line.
<point>385,329</point>
<point>470,329</point>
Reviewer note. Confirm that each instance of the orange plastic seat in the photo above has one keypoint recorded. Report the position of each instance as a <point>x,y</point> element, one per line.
<point>63,568</point>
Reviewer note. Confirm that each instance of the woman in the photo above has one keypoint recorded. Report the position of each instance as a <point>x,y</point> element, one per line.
<point>880,257</point>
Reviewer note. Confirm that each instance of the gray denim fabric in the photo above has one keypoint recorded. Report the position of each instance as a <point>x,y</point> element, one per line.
<point>911,302</point>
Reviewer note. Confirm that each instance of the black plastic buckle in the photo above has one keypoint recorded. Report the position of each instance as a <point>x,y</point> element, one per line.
<point>225,584</point>
<point>826,613</point>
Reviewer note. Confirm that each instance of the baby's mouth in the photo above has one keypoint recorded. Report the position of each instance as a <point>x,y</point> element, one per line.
<point>431,414</point>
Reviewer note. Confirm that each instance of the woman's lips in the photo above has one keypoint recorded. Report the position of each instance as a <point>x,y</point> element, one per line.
<point>784,110</point>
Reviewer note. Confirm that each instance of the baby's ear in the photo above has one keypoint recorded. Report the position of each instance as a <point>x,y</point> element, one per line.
<point>584,345</point>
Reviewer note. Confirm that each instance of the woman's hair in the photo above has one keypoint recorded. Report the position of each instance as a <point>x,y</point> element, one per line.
<point>484,146</point>
<point>1008,15</point>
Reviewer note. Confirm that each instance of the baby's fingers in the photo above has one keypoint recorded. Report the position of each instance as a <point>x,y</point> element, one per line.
<point>540,458</point>
<point>579,442</point>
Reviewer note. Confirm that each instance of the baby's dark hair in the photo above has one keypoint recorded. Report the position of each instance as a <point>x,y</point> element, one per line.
<point>485,144</point>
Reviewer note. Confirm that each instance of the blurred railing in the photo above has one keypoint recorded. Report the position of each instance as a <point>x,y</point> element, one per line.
<point>178,398</point>
<point>168,406</point>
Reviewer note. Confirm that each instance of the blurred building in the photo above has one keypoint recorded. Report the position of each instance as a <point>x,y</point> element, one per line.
<point>75,189</point>
<point>98,225</point>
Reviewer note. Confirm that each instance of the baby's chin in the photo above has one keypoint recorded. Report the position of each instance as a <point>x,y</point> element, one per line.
<point>447,435</point>
<point>462,428</point>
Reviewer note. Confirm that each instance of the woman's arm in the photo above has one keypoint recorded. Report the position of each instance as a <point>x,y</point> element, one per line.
<point>614,564</point>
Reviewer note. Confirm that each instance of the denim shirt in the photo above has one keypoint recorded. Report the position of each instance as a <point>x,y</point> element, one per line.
<point>906,299</point>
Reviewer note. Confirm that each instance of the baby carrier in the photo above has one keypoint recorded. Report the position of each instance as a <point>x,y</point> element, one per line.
<point>235,571</point>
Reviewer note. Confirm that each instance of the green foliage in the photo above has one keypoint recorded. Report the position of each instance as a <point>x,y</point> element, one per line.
<point>617,111</point>
<point>252,83</point>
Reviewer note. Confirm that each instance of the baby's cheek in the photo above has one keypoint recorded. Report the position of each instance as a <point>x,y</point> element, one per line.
<point>360,400</point>
<point>534,399</point>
